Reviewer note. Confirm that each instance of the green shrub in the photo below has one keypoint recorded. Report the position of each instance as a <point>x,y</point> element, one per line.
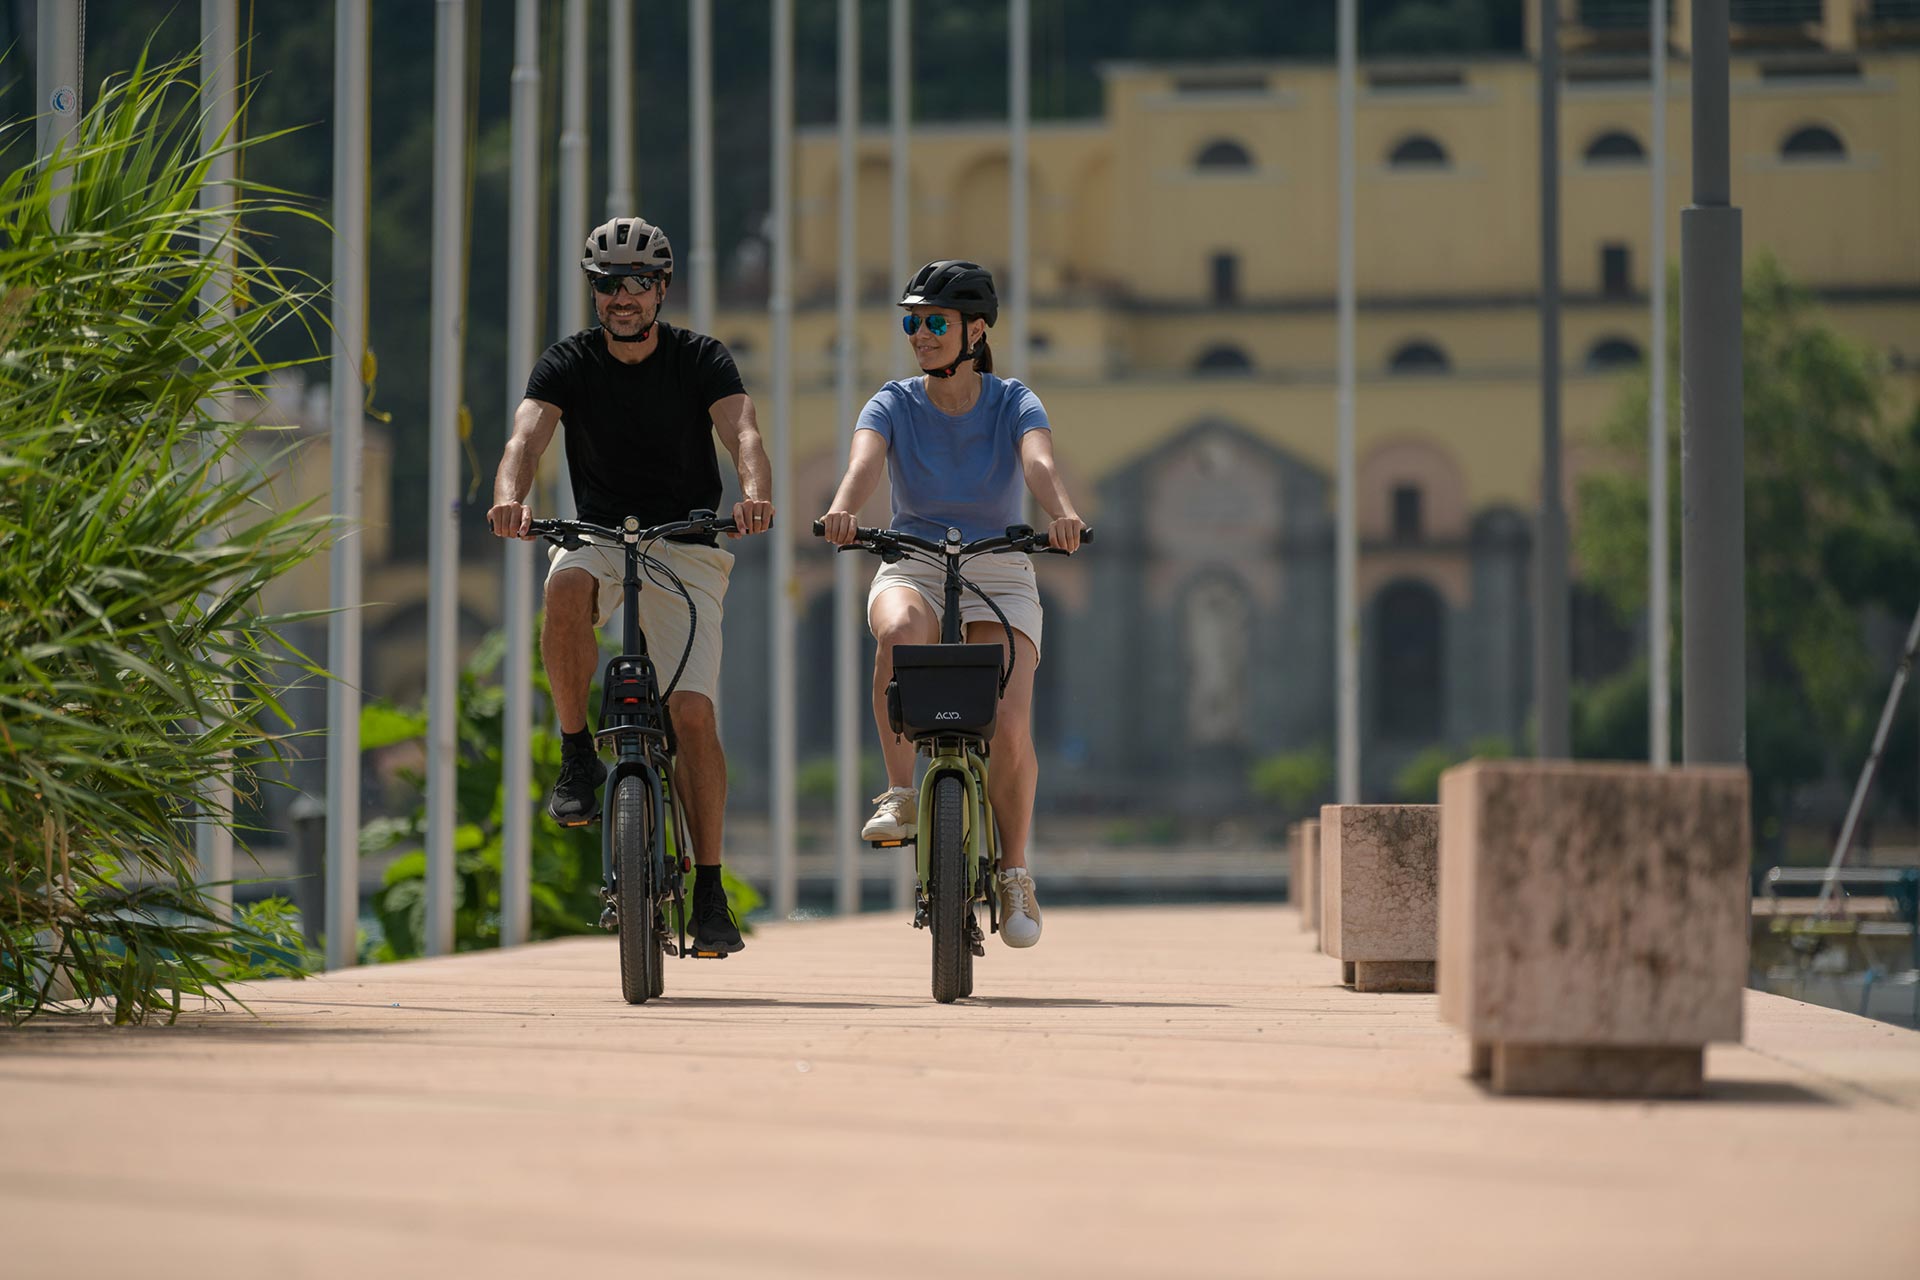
<point>136,537</point>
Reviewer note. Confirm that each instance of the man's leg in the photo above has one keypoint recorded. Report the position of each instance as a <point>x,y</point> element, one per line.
<point>700,777</point>
<point>568,644</point>
<point>700,773</point>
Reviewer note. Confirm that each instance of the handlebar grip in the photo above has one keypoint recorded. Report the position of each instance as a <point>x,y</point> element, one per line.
<point>819,528</point>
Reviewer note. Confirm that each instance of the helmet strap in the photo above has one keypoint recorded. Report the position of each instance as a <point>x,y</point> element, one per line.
<point>967,352</point>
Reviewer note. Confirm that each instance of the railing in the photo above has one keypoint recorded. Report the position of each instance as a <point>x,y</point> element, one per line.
<point>1621,15</point>
<point>1774,13</point>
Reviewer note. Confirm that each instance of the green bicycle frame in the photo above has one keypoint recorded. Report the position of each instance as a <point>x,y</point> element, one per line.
<point>962,759</point>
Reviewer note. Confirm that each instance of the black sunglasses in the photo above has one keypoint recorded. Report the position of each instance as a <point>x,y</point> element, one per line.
<point>936,325</point>
<point>607,286</point>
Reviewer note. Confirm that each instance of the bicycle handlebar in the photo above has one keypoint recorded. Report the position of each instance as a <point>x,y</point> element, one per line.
<point>699,523</point>
<point>1018,537</point>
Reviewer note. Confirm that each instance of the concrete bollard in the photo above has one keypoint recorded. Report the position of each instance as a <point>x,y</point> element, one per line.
<point>1379,878</point>
<point>1310,877</point>
<point>1593,922</point>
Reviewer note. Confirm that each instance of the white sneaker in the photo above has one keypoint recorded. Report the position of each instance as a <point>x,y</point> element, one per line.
<point>897,818</point>
<point>1019,908</point>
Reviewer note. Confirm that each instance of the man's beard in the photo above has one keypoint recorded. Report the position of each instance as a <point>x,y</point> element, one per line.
<point>628,326</point>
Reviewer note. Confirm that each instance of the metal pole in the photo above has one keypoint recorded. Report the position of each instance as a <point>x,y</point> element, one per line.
<point>517,606</point>
<point>1550,655</point>
<point>847,685</point>
<point>348,401</point>
<point>58,79</point>
<point>448,330</point>
<point>1347,548</point>
<point>570,227</point>
<point>1864,784</point>
<point>219,130</point>
<point>701,112</point>
<point>1659,627</point>
<point>620,197</point>
<point>1019,96</point>
<point>1713,593</point>
<point>784,746</point>
<point>900,108</point>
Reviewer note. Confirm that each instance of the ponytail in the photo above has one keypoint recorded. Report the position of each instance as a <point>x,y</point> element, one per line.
<point>983,357</point>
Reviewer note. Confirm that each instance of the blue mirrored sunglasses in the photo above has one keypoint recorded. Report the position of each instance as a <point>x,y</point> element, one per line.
<point>936,325</point>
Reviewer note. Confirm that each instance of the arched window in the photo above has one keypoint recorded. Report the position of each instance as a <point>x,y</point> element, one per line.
<point>1418,151</point>
<point>1223,153</point>
<point>1614,353</point>
<point>1615,147</point>
<point>1813,142</point>
<point>1419,357</point>
<point>1223,357</point>
<point>1409,649</point>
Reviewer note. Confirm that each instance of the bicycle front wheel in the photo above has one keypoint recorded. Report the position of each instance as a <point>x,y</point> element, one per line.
<point>641,970</point>
<point>951,896</point>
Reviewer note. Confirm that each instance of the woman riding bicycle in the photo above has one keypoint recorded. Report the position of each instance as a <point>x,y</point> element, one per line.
<point>956,443</point>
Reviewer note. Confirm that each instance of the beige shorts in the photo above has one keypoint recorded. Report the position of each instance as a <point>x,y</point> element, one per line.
<point>663,614</point>
<point>1006,576</point>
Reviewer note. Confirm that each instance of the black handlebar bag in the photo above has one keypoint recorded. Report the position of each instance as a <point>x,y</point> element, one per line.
<point>944,688</point>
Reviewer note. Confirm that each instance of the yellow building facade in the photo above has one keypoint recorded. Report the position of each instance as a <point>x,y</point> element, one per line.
<point>1183,251</point>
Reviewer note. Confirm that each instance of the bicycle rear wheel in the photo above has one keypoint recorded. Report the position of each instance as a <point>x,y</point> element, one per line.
<point>952,901</point>
<point>641,970</point>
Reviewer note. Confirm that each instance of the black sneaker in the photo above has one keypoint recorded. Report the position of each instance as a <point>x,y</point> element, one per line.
<point>576,796</point>
<point>713,925</point>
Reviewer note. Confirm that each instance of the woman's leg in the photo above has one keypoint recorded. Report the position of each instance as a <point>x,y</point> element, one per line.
<point>1014,772</point>
<point>900,615</point>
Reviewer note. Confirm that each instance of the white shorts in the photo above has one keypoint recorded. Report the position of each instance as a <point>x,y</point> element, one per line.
<point>1006,576</point>
<point>663,614</point>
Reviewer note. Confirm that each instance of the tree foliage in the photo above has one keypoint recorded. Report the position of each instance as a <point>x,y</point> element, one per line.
<point>136,537</point>
<point>1832,535</point>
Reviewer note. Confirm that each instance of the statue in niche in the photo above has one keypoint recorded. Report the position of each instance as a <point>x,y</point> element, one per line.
<point>1217,622</point>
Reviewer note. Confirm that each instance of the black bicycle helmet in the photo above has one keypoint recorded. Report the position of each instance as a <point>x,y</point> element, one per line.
<point>966,287</point>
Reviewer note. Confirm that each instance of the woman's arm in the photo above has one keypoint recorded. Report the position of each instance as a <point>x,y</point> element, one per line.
<point>1043,481</point>
<point>868,456</point>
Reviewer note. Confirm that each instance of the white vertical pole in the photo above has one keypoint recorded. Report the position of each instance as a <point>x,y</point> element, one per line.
<point>570,226</point>
<point>781,582</point>
<point>1347,538</point>
<point>900,107</point>
<point>57,77</point>
<point>219,129</point>
<point>448,329</point>
<point>621,201</point>
<point>1659,652</point>
<point>1019,84</point>
<point>516,608</point>
<point>847,685</point>
<point>348,405</point>
<point>701,113</point>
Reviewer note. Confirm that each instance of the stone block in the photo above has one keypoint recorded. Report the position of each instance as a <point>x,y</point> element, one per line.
<point>1588,907</point>
<point>1379,877</point>
<point>1295,854</point>
<point>1310,876</point>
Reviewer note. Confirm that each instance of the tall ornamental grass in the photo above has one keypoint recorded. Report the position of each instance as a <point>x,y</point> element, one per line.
<point>136,537</point>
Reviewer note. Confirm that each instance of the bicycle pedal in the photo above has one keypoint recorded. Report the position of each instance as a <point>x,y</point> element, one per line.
<point>977,948</point>
<point>890,844</point>
<point>708,955</point>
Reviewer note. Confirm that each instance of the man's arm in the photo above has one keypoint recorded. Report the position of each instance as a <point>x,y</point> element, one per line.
<point>533,426</point>
<point>739,430</point>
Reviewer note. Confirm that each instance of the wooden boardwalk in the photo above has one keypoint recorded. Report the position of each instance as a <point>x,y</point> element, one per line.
<point>1162,1092</point>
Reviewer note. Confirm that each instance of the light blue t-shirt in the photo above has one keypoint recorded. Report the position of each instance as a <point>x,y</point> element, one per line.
<point>960,471</point>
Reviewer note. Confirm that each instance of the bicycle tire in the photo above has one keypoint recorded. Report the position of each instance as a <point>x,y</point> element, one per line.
<point>641,976</point>
<point>952,902</point>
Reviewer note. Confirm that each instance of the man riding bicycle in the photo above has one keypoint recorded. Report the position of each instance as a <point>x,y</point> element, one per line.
<point>640,401</point>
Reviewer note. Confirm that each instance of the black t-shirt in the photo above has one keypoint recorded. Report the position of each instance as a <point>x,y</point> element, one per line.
<point>639,436</point>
